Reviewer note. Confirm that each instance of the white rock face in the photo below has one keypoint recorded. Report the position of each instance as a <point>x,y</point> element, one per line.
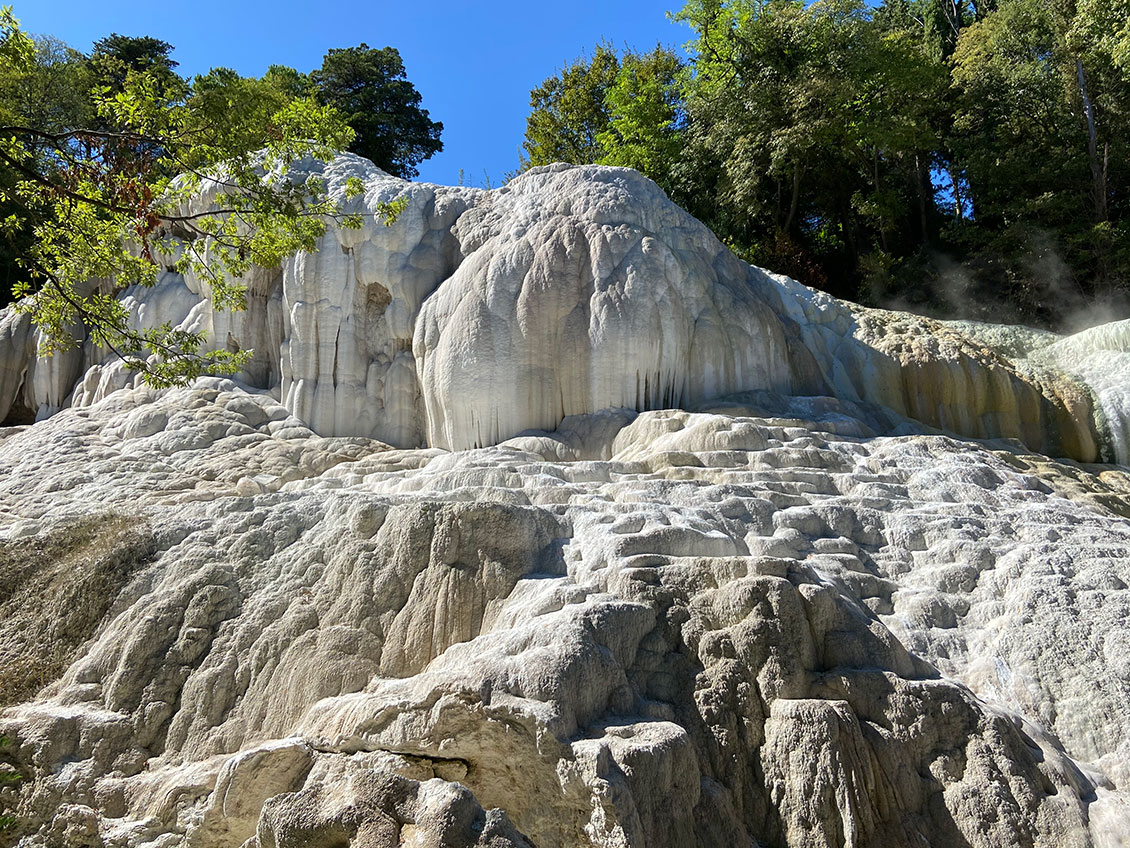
<point>427,576</point>
<point>481,314</point>
<point>582,290</point>
<point>741,627</point>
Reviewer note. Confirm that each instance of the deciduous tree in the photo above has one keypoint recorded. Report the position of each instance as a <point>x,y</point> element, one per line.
<point>569,112</point>
<point>108,203</point>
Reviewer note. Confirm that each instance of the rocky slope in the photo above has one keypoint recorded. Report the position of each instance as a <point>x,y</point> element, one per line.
<point>479,315</point>
<point>429,574</point>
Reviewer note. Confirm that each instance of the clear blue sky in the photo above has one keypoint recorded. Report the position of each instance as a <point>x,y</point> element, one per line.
<point>474,63</point>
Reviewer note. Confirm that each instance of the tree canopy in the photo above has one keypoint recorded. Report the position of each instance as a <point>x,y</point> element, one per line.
<point>94,183</point>
<point>608,110</point>
<point>955,157</point>
<point>369,87</point>
<point>115,56</point>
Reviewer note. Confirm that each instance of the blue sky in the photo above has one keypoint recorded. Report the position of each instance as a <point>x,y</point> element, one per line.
<point>474,63</point>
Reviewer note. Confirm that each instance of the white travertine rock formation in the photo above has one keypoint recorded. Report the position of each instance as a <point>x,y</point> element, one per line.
<point>540,519</point>
<point>755,626</point>
<point>480,314</point>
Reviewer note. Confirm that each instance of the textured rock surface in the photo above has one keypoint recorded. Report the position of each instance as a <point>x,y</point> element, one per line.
<point>754,626</point>
<point>428,576</point>
<point>479,315</point>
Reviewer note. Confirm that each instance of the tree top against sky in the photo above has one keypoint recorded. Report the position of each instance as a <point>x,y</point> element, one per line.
<point>473,64</point>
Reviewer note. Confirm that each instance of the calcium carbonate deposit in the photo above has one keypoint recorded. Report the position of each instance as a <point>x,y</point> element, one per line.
<point>539,519</point>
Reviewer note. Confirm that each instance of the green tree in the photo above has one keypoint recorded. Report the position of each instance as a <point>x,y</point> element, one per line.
<point>1095,45</point>
<point>108,204</point>
<point>811,133</point>
<point>873,150</point>
<point>569,112</point>
<point>115,57</point>
<point>644,105</point>
<point>50,91</point>
<point>289,82</point>
<point>369,87</point>
<point>1042,129</point>
<point>221,93</point>
<point>610,110</point>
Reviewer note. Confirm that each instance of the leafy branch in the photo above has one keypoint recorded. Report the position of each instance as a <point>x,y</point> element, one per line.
<point>120,201</point>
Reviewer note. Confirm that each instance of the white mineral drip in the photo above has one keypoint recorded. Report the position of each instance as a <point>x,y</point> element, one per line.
<point>481,314</point>
<point>1100,357</point>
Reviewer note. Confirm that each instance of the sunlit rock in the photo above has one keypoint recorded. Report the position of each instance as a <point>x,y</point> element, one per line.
<point>540,519</point>
<point>480,314</point>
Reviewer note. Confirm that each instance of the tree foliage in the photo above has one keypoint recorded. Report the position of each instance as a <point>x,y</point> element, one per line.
<point>645,115</point>
<point>813,127</point>
<point>1041,129</point>
<point>369,87</point>
<point>569,112</point>
<point>106,202</point>
<point>609,110</point>
<point>114,57</point>
<point>47,87</point>
<point>945,154</point>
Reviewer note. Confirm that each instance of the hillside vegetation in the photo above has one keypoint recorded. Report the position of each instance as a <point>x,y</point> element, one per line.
<point>951,157</point>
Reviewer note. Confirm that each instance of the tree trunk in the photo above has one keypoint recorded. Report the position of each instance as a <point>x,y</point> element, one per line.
<point>951,11</point>
<point>1098,169</point>
<point>923,180</point>
<point>848,228</point>
<point>878,189</point>
<point>958,203</point>
<point>794,202</point>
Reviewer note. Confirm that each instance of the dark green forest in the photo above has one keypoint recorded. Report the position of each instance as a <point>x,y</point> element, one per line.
<point>949,157</point>
<point>944,156</point>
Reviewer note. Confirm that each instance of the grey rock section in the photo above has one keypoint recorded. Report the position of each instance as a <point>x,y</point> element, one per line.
<point>758,625</point>
<point>479,315</point>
